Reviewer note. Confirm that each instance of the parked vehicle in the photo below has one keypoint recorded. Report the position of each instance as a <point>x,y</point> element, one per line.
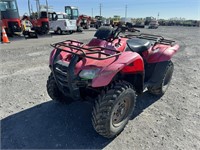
<point>111,69</point>
<point>93,21</point>
<point>115,20</point>
<point>84,21</point>
<point>98,22</point>
<point>60,23</point>
<point>151,23</point>
<point>130,27</point>
<point>39,19</point>
<point>73,16</point>
<point>10,17</point>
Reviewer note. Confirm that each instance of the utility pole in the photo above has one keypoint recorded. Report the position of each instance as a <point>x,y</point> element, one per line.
<point>29,7</point>
<point>125,13</point>
<point>100,8</point>
<point>92,12</point>
<point>47,5</point>
<point>38,7</point>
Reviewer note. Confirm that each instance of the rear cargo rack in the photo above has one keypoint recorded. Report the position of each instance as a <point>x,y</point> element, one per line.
<point>156,38</point>
<point>76,48</point>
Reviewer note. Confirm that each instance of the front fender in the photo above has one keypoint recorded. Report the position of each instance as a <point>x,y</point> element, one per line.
<point>62,54</point>
<point>108,73</point>
<point>52,54</point>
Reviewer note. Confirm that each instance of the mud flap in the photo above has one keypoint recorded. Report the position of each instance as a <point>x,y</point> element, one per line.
<point>158,74</point>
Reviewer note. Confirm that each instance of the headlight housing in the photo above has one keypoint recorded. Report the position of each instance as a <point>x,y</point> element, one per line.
<point>89,73</point>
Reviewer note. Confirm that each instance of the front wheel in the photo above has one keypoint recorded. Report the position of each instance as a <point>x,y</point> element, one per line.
<point>54,92</point>
<point>162,88</point>
<point>113,109</point>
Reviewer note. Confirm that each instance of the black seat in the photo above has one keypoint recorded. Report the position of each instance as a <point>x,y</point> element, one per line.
<point>104,33</point>
<point>138,45</point>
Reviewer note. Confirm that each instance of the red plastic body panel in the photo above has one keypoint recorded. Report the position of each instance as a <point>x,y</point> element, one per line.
<point>38,22</point>
<point>137,66</point>
<point>63,55</point>
<point>160,53</point>
<point>5,22</point>
<point>127,62</point>
<point>109,71</point>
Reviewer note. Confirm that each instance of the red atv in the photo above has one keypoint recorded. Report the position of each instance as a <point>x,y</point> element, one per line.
<point>113,68</point>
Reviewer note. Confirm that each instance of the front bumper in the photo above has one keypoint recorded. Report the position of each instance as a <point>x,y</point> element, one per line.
<point>68,83</point>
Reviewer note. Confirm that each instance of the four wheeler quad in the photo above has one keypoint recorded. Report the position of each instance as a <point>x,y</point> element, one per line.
<point>113,68</point>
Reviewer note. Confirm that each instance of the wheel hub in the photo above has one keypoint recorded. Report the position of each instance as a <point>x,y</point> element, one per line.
<point>120,111</point>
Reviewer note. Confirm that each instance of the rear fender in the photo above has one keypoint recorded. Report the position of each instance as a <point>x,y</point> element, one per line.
<point>161,53</point>
<point>121,64</point>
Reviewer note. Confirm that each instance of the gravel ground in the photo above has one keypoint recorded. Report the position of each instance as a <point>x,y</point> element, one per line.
<point>31,120</point>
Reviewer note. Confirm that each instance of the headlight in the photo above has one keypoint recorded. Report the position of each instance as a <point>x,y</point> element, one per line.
<point>89,74</point>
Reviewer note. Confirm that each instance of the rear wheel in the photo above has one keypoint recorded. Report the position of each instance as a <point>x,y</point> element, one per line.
<point>161,89</point>
<point>113,109</point>
<point>54,92</point>
<point>59,31</point>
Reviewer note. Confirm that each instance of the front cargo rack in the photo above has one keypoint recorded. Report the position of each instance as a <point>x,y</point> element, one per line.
<point>78,49</point>
<point>156,38</point>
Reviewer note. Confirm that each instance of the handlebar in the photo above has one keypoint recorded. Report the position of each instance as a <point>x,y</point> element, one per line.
<point>122,29</point>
